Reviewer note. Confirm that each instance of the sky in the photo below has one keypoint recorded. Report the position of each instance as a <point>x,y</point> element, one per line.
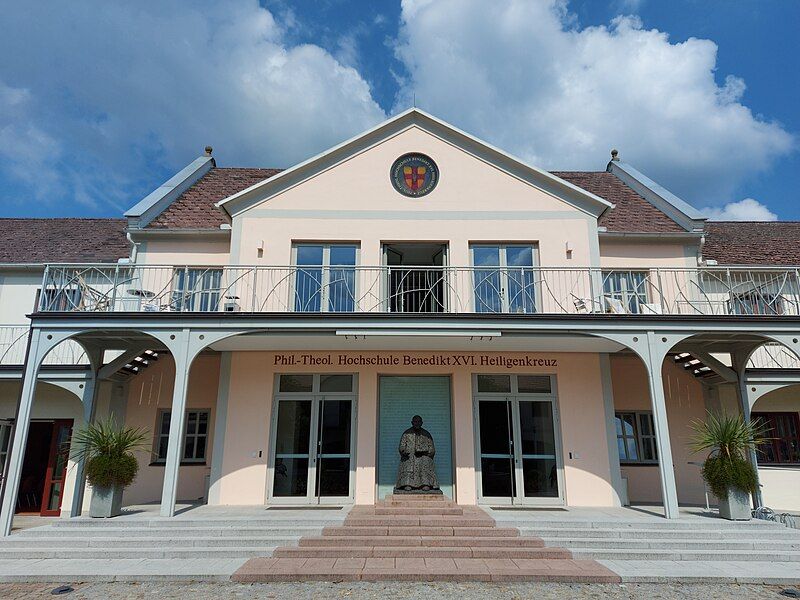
<point>101,101</point>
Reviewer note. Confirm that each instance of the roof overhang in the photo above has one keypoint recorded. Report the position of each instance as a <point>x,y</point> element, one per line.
<point>140,235</point>
<point>585,201</point>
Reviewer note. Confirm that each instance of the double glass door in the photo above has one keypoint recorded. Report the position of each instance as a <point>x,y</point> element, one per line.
<point>518,449</point>
<point>312,449</point>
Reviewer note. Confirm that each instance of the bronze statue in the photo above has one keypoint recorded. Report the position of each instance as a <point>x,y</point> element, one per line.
<point>417,471</point>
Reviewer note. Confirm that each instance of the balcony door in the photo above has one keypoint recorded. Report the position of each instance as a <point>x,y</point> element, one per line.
<point>518,446</point>
<point>311,461</point>
<point>416,278</point>
<point>504,278</point>
<point>324,277</point>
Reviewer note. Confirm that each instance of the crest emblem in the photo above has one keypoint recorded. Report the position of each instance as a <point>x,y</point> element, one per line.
<point>414,175</point>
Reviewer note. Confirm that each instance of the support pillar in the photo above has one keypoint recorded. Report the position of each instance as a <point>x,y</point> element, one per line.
<point>654,363</point>
<point>183,361</point>
<point>89,401</point>
<point>739,360</point>
<point>21,428</point>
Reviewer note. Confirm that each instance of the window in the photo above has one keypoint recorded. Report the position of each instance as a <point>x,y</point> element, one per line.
<point>627,287</point>
<point>504,278</point>
<point>196,290</point>
<point>194,441</point>
<point>59,299</point>
<point>756,303</point>
<point>325,278</point>
<point>5,443</point>
<point>784,447</point>
<point>636,437</point>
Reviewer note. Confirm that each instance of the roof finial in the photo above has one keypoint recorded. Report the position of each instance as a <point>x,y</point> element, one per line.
<point>615,154</point>
<point>209,150</point>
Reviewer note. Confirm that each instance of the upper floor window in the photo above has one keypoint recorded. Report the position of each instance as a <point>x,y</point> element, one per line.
<point>325,277</point>
<point>196,289</point>
<point>636,437</point>
<point>504,278</point>
<point>756,302</point>
<point>784,431</point>
<point>625,291</point>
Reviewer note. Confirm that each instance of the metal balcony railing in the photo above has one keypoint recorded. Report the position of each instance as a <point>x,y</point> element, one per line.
<point>14,341</point>
<point>347,289</point>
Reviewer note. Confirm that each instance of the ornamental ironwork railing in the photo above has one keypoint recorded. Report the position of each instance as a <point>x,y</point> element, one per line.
<point>14,342</point>
<point>390,289</point>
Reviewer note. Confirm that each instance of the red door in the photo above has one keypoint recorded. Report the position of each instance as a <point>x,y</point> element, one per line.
<point>56,468</point>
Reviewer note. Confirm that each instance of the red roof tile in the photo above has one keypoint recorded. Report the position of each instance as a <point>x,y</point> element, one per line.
<point>632,213</point>
<point>753,242</point>
<point>62,240</point>
<point>194,209</point>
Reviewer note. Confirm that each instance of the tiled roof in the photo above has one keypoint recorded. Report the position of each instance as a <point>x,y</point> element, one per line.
<point>62,240</point>
<point>632,213</point>
<point>195,209</point>
<point>753,242</point>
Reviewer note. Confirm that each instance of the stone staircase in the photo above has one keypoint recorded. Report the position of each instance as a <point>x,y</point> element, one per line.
<point>422,538</point>
<point>158,538</point>
<point>708,539</point>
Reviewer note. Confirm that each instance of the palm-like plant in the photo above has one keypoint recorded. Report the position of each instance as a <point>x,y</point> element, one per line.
<point>728,440</point>
<point>107,449</point>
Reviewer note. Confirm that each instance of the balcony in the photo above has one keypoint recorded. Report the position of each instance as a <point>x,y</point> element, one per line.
<point>14,342</point>
<point>408,289</point>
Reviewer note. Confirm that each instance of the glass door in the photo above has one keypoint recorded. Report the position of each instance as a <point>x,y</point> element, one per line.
<point>518,446</point>
<point>504,278</point>
<point>313,440</point>
<point>56,468</point>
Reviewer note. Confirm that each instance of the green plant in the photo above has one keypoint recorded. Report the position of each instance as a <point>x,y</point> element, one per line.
<point>728,439</point>
<point>107,450</point>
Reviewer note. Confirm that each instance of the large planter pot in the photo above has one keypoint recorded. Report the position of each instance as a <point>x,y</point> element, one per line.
<point>106,502</point>
<point>736,507</point>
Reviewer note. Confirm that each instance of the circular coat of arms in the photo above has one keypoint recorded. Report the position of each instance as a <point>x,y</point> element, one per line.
<point>414,174</point>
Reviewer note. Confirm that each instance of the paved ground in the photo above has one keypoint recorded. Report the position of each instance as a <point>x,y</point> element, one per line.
<point>399,591</point>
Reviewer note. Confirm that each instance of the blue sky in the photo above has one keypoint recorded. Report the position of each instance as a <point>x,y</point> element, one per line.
<point>102,101</point>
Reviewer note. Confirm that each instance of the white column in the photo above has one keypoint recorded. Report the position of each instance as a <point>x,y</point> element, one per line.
<point>89,401</point>
<point>739,360</point>
<point>665,467</point>
<point>21,427</point>
<point>177,424</point>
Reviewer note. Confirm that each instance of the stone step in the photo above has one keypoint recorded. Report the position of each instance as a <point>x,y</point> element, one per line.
<point>124,552</point>
<point>172,523</point>
<point>629,533</point>
<point>419,552</point>
<point>423,569</point>
<point>403,510</point>
<point>673,544</point>
<point>659,524</point>
<point>416,504</point>
<point>449,540</point>
<point>149,542</point>
<point>124,532</point>
<point>409,521</point>
<point>417,498</point>
<point>342,530</point>
<point>679,555</point>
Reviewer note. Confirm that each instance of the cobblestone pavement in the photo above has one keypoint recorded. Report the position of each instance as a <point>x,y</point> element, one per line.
<point>332,591</point>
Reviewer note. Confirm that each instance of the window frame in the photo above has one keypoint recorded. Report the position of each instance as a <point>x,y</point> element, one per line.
<point>503,270</point>
<point>325,268</point>
<point>157,438</point>
<point>634,294</point>
<point>638,436</point>
<point>186,297</point>
<point>770,419</point>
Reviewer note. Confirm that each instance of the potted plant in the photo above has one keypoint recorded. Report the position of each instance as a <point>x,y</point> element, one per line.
<point>110,464</point>
<point>727,471</point>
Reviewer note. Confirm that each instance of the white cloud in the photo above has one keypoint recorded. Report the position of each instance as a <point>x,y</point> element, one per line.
<point>109,93</point>
<point>527,78</point>
<point>743,210</point>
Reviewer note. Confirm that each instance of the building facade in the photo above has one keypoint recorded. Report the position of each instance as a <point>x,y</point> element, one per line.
<point>275,331</point>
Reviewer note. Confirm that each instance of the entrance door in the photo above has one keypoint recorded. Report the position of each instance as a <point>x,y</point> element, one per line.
<point>313,440</point>
<point>56,469</point>
<point>416,277</point>
<point>518,453</point>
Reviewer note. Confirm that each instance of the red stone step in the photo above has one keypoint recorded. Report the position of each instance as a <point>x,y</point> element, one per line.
<point>402,510</point>
<point>417,498</point>
<point>416,504</point>
<point>419,552</point>
<point>449,540</point>
<point>422,569</point>
<point>410,521</point>
<point>346,530</point>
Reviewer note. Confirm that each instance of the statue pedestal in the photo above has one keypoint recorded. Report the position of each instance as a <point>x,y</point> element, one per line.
<point>436,492</point>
